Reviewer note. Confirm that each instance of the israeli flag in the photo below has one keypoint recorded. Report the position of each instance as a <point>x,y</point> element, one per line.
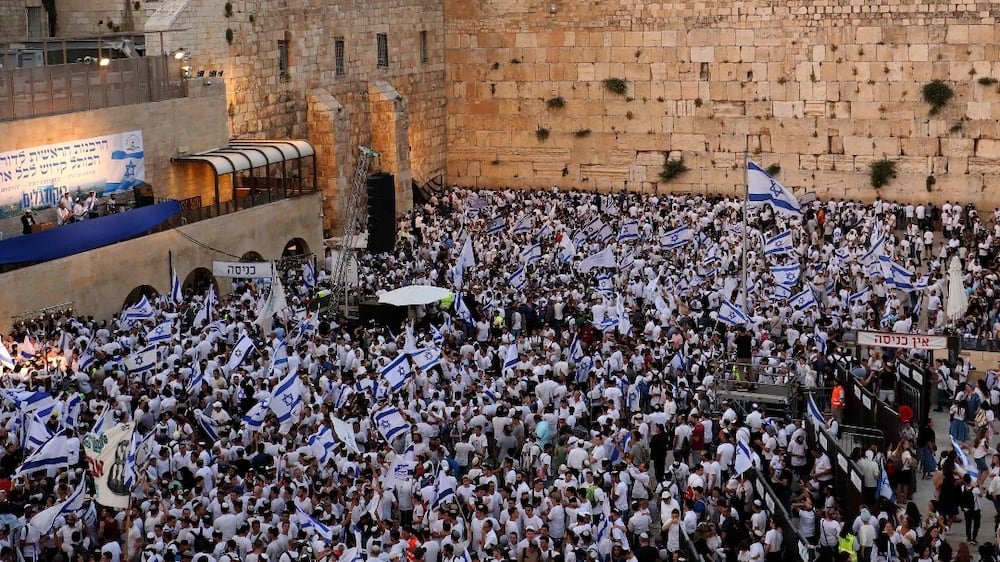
<point>896,275</point>
<point>884,488</point>
<point>53,454</point>
<point>443,490</point>
<point>511,358</point>
<point>160,333</point>
<point>142,360</point>
<point>567,249</point>
<point>730,314</point>
<point>523,225</point>
<point>604,258</point>
<point>780,291</point>
<point>280,359</point>
<point>308,274</point>
<point>142,310</point>
<point>322,444</point>
<point>967,463</point>
<point>254,418</point>
<point>803,301</point>
<point>208,425</point>
<point>390,423</point>
<point>876,246</point>
<point>743,459</point>
<point>27,349</point>
<point>576,354</point>
<point>45,520</point>
<point>312,525</point>
<point>815,414</point>
<point>194,384</point>
<point>467,258</point>
<point>426,358</point>
<point>819,338</point>
<point>532,253</point>
<point>604,234</point>
<point>496,225</point>
<point>787,275</point>
<point>34,432</point>
<point>678,362</point>
<point>863,296</point>
<point>6,361</point>
<point>762,189</point>
<point>176,294</point>
<point>462,309</point>
<point>780,244</point>
<point>436,336</point>
<point>592,228</point>
<point>244,347</point>
<point>605,283</point>
<point>627,261</point>
<point>543,232</point>
<point>629,231</point>
<point>518,279</point>
<point>127,167</point>
<point>104,422</point>
<point>71,410</point>
<point>286,398</point>
<point>397,372</point>
<point>677,238</point>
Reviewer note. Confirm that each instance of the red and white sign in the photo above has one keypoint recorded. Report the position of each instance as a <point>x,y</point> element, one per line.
<point>904,341</point>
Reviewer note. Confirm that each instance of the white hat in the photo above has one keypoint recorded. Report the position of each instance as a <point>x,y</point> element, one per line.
<point>217,404</point>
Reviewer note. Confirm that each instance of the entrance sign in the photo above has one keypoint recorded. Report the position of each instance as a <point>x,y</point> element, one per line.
<point>903,341</point>
<point>243,270</point>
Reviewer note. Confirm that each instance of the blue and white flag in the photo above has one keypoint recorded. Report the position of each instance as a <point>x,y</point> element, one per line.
<point>511,358</point>
<point>576,354</point>
<point>678,362</point>
<point>544,232</point>
<point>34,432</point>
<point>819,338</point>
<point>780,292</point>
<point>390,423</point>
<point>743,459</point>
<point>803,301</point>
<point>44,520</point>
<point>629,231</point>
<point>205,313</point>
<point>518,279</point>
<point>567,249</point>
<point>176,294</point>
<point>426,358</point>
<point>876,246</point>
<point>104,422</point>
<point>676,238</point>
<point>286,398</point>
<point>884,488</point>
<point>398,372</point>
<point>780,244</point>
<point>627,261</point>
<point>160,333</point>
<point>141,360</point>
<point>443,491</point>
<point>244,347</point>
<point>436,335</point>
<point>322,444</point>
<point>194,383</point>
<point>280,358</point>
<point>308,274</point>
<point>863,296</point>
<point>462,309</point>
<point>142,310</point>
<point>967,464</point>
<point>896,275</point>
<point>254,418</point>
<point>26,349</point>
<point>762,189</point>
<point>207,425</point>
<point>523,225</point>
<point>593,229</point>
<point>52,455</point>
<point>787,275</point>
<point>496,225</point>
<point>731,314</point>
<point>6,361</point>
<point>467,258</point>
<point>532,253</point>
<point>604,258</point>
<point>71,410</point>
<point>311,525</point>
<point>815,415</point>
<point>605,283</point>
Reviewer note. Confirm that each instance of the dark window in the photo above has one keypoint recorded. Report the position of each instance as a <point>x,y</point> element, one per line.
<point>35,28</point>
<point>338,55</point>
<point>283,59</point>
<point>423,47</point>
<point>382,43</point>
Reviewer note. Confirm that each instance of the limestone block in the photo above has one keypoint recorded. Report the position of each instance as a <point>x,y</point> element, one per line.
<point>958,165</point>
<point>868,35</point>
<point>586,72</point>
<point>919,146</point>
<point>669,37</point>
<point>988,148</point>
<point>958,147</point>
<point>859,146</point>
<point>692,142</point>
<point>979,110</point>
<point>957,34</point>
<point>987,166</point>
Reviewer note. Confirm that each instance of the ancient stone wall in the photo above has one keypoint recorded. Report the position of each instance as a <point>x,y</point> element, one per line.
<point>821,88</point>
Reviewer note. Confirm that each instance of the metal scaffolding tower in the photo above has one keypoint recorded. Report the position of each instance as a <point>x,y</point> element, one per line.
<point>353,220</point>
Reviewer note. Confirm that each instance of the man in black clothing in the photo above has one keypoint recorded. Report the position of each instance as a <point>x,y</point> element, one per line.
<point>744,353</point>
<point>659,444</point>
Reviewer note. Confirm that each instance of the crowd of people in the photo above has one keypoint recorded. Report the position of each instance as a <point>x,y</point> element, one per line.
<point>565,404</point>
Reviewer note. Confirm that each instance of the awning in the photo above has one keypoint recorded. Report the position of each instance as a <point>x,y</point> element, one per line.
<point>243,155</point>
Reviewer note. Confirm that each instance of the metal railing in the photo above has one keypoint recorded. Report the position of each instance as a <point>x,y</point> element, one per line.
<point>77,86</point>
<point>792,539</point>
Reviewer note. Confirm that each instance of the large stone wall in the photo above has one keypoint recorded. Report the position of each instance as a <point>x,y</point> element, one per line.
<point>98,281</point>
<point>820,87</point>
<point>262,103</point>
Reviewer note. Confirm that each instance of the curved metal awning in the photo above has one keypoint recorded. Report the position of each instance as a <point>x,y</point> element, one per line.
<point>244,154</point>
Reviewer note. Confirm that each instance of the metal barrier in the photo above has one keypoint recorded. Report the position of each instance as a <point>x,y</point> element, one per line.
<point>847,478</point>
<point>763,491</point>
<point>914,390</point>
<point>852,436</point>
<point>865,409</point>
<point>688,549</point>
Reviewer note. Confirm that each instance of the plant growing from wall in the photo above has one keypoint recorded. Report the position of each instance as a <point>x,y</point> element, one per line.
<point>581,133</point>
<point>929,183</point>
<point>987,80</point>
<point>495,66</point>
<point>672,168</point>
<point>616,86</point>
<point>937,94</point>
<point>230,35</point>
<point>555,103</point>
<point>229,9</point>
<point>542,134</point>
<point>881,172</point>
<point>773,169</point>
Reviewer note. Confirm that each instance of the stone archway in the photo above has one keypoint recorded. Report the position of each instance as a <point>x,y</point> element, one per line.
<point>136,294</point>
<point>295,247</point>
<point>252,256</point>
<point>198,281</point>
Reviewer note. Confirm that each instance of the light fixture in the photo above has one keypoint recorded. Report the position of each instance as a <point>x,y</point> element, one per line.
<point>180,53</point>
<point>105,61</point>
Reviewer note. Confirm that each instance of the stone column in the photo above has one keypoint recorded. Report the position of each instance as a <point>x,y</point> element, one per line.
<point>390,125</point>
<point>330,134</point>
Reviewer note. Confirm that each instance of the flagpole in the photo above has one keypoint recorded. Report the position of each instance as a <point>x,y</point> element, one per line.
<point>746,233</point>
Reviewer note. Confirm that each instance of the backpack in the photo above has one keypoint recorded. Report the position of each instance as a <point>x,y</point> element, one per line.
<point>698,437</point>
<point>966,501</point>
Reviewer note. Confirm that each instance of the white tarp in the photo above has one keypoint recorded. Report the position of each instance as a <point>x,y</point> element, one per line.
<point>413,295</point>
